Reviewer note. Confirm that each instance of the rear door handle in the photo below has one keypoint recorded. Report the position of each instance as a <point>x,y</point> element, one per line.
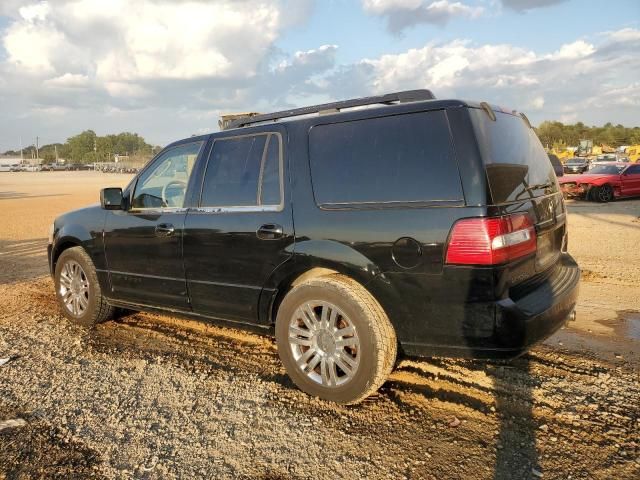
<point>270,231</point>
<point>164,229</point>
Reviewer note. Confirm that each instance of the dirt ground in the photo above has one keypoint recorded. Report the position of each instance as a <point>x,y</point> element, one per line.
<point>153,397</point>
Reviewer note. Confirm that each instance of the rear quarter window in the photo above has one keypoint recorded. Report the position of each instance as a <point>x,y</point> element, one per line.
<point>514,158</point>
<point>387,160</point>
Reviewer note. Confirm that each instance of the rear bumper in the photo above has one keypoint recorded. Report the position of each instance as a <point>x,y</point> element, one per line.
<point>527,317</point>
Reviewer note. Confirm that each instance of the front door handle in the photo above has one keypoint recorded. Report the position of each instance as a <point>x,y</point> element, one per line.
<point>164,229</point>
<point>270,231</point>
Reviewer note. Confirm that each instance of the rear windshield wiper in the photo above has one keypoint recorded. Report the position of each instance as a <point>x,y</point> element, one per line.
<point>538,186</point>
<point>529,188</point>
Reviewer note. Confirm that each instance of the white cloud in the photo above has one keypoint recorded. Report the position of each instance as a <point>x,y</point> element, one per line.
<point>147,39</point>
<point>168,68</point>
<point>68,80</point>
<point>402,14</point>
<point>574,50</point>
<point>589,79</point>
<point>524,5</point>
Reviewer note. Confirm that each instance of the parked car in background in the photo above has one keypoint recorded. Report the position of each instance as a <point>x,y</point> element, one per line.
<point>79,166</point>
<point>419,225</point>
<point>557,164</point>
<point>604,182</point>
<point>607,157</point>
<point>16,167</point>
<point>59,167</point>
<point>576,165</point>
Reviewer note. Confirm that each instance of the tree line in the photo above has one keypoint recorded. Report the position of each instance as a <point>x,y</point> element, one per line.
<point>555,134</point>
<point>87,147</point>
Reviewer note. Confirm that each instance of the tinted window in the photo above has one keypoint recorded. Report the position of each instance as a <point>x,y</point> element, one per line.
<point>634,169</point>
<point>243,171</point>
<point>164,184</point>
<point>270,188</point>
<point>516,164</point>
<point>404,158</point>
<point>605,169</point>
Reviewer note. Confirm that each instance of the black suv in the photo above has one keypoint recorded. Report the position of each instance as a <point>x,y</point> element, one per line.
<point>414,225</point>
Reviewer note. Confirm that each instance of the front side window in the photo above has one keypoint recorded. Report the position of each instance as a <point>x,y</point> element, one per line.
<point>164,185</point>
<point>244,171</point>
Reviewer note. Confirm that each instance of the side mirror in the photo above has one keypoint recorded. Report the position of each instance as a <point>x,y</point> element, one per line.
<point>111,198</point>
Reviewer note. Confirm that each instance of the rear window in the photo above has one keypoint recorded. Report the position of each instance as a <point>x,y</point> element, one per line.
<point>516,164</point>
<point>398,159</point>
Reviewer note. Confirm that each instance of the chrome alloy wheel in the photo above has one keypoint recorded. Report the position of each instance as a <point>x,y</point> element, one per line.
<point>324,343</point>
<point>74,288</point>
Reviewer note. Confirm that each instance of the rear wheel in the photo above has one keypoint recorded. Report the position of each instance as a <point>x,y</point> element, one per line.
<point>334,339</point>
<point>604,193</point>
<point>77,289</point>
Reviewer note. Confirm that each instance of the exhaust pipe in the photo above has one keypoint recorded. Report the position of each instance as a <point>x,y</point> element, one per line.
<point>572,316</point>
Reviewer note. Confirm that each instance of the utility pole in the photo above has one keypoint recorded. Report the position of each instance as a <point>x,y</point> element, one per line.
<point>21,154</point>
<point>37,153</point>
<point>55,147</point>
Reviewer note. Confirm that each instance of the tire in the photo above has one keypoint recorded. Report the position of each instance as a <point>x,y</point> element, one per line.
<point>320,360</point>
<point>75,276</point>
<point>603,194</point>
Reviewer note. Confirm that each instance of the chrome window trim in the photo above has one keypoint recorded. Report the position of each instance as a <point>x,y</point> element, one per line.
<point>161,210</point>
<point>238,209</point>
<point>247,208</point>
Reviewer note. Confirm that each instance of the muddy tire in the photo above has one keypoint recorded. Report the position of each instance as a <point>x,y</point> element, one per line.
<point>78,291</point>
<point>334,339</point>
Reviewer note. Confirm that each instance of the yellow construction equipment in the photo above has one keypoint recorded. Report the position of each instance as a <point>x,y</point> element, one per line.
<point>633,152</point>
<point>225,120</point>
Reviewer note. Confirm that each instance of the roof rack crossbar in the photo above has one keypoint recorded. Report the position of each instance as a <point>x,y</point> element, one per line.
<point>402,97</point>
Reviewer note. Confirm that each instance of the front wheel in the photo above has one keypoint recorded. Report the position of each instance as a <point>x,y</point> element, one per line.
<point>604,193</point>
<point>334,339</point>
<point>77,289</point>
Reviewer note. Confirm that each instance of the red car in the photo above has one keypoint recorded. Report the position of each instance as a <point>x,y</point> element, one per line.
<point>604,182</point>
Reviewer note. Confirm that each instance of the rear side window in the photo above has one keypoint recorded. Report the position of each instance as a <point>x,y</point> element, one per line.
<point>516,164</point>
<point>243,171</point>
<point>398,159</point>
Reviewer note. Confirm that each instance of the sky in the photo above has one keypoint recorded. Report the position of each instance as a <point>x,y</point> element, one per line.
<point>167,69</point>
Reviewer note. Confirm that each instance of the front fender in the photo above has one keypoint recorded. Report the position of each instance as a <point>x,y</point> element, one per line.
<point>82,228</point>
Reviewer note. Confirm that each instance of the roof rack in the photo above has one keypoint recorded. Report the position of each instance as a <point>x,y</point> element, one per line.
<point>334,107</point>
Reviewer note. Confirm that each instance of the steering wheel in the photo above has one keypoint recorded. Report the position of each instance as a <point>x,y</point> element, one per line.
<point>179,183</point>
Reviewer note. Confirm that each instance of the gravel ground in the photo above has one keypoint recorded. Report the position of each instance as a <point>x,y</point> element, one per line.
<point>151,396</point>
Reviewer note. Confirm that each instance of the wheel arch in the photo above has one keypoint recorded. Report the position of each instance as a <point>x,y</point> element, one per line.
<point>76,235</point>
<point>315,258</point>
<point>60,246</point>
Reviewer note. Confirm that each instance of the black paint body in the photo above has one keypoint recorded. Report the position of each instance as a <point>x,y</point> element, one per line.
<point>215,267</point>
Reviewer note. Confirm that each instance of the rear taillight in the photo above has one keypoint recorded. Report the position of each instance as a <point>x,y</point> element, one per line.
<point>491,241</point>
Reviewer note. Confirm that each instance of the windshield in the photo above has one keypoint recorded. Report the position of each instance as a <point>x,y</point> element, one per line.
<point>516,164</point>
<point>607,169</point>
